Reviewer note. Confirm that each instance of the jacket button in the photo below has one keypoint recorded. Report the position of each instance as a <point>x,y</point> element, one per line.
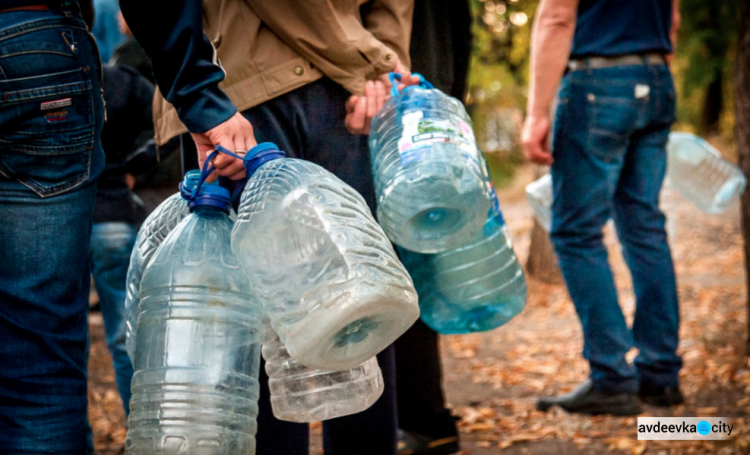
<point>299,71</point>
<point>388,57</point>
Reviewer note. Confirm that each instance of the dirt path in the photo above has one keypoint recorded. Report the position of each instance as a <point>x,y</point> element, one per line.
<point>493,379</point>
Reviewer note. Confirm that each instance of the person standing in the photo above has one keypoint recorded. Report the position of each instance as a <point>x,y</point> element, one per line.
<point>309,76</point>
<point>608,159</point>
<point>51,115</point>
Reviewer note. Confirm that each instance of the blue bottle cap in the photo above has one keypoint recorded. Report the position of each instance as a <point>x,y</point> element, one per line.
<point>211,196</point>
<point>261,154</point>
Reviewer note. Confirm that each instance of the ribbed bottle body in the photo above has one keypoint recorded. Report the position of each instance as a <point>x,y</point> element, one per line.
<point>195,387</point>
<point>699,173</point>
<point>152,233</point>
<point>431,190</point>
<point>302,394</point>
<point>476,287</point>
<point>333,288</point>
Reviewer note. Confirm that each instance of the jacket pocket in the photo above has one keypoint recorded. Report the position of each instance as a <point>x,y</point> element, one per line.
<point>47,130</point>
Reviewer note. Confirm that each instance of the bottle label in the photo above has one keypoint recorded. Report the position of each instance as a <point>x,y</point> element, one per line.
<point>419,135</point>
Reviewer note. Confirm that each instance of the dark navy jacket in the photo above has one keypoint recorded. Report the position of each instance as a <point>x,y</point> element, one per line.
<point>184,60</point>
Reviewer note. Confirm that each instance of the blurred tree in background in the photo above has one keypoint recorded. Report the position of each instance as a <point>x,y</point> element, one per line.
<point>704,63</point>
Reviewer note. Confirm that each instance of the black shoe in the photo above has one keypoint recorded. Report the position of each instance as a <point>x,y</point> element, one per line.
<point>416,444</point>
<point>660,396</point>
<point>587,400</point>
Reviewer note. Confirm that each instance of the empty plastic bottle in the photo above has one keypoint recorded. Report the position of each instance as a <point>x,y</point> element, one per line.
<point>699,173</point>
<point>333,288</point>
<point>476,287</point>
<point>195,387</point>
<point>301,394</point>
<point>152,233</point>
<point>431,190</point>
<point>539,196</point>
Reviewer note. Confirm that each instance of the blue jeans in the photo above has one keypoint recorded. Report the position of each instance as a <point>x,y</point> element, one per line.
<point>51,113</point>
<point>609,149</point>
<point>111,245</point>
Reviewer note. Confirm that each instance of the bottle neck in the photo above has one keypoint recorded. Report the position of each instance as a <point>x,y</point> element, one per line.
<point>209,210</point>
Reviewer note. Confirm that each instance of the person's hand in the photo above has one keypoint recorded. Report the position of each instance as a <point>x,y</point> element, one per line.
<point>236,135</point>
<point>406,79</point>
<point>534,136</point>
<point>130,181</point>
<point>361,109</point>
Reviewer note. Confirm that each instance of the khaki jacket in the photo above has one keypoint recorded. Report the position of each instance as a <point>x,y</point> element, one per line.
<point>271,47</point>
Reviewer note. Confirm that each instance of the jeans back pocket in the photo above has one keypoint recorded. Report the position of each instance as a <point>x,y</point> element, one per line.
<point>47,130</point>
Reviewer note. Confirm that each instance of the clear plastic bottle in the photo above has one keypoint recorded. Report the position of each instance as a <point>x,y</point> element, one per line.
<point>476,287</point>
<point>195,387</point>
<point>699,173</point>
<point>301,394</point>
<point>431,191</point>
<point>333,288</point>
<point>152,233</point>
<point>539,196</point>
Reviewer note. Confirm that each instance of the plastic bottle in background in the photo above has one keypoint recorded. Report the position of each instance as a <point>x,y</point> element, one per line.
<point>476,287</point>
<point>539,196</point>
<point>301,394</point>
<point>333,289</point>
<point>152,233</point>
<point>195,387</point>
<point>431,190</point>
<point>699,173</point>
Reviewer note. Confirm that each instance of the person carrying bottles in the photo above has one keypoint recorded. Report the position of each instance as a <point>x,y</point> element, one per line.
<point>608,158</point>
<point>309,76</point>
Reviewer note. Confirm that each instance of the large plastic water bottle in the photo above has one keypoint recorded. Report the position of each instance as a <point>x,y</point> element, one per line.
<point>152,233</point>
<point>195,387</point>
<point>539,196</point>
<point>333,288</point>
<point>699,173</point>
<point>476,287</point>
<point>301,394</point>
<point>431,190</point>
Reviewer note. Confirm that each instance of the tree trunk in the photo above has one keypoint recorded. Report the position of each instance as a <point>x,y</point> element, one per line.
<point>742,112</point>
<point>713,105</point>
<point>542,261</point>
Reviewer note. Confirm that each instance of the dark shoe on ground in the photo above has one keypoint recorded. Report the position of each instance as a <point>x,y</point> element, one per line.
<point>416,444</point>
<point>588,400</point>
<point>660,396</point>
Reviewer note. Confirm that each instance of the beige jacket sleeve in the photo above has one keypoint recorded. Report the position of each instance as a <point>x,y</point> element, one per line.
<point>330,34</point>
<point>390,22</point>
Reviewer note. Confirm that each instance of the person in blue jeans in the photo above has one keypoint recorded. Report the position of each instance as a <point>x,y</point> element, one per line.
<point>608,159</point>
<point>51,114</point>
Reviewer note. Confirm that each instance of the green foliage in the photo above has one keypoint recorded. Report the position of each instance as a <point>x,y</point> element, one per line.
<point>705,54</point>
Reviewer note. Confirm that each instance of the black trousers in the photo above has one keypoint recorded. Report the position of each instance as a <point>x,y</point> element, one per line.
<point>308,123</point>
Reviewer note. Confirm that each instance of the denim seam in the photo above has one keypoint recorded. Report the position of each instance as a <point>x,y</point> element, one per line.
<point>40,51</point>
<point>38,25</point>
<point>19,96</point>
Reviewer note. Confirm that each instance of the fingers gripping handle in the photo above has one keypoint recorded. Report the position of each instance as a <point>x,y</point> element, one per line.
<point>255,157</point>
<point>394,77</point>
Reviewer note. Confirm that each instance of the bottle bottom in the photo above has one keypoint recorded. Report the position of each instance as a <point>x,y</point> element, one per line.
<point>325,404</point>
<point>452,319</point>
